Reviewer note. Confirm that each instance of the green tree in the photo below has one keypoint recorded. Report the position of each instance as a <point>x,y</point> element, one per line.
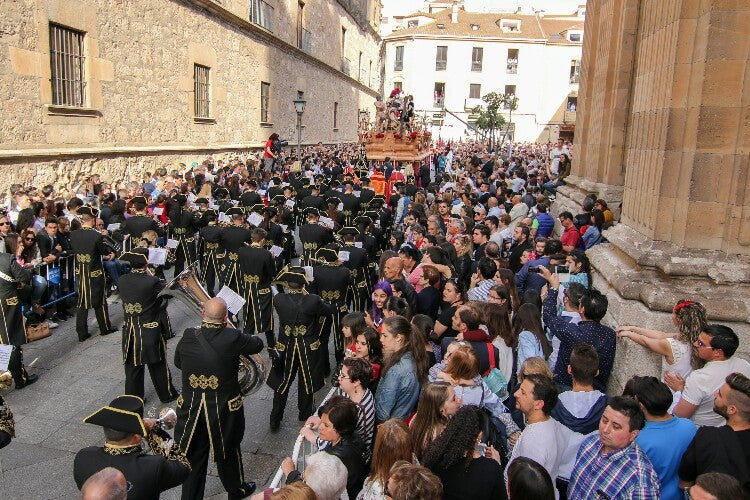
<point>490,116</point>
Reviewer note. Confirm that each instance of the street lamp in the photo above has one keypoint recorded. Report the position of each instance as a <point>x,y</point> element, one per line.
<point>299,106</point>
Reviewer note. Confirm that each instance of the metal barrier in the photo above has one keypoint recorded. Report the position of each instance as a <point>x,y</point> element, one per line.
<point>58,273</point>
<point>298,456</point>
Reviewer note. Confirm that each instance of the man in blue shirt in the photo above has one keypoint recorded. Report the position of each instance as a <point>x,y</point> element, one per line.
<point>526,280</point>
<point>664,437</point>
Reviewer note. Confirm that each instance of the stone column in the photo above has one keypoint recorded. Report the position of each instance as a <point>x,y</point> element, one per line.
<point>604,96</point>
<point>685,223</point>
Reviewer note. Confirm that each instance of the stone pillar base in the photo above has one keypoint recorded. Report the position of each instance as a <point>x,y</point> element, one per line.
<point>643,279</point>
<point>570,197</point>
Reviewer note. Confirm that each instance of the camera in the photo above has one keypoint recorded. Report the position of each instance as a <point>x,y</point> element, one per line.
<point>562,270</point>
<point>535,269</point>
<point>278,144</point>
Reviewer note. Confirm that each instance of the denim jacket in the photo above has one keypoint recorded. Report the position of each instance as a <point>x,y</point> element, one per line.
<point>398,390</point>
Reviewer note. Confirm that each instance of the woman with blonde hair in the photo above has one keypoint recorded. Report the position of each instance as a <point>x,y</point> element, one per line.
<point>463,262</point>
<point>393,443</point>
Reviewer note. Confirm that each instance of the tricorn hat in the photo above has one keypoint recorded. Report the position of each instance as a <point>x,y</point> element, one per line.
<point>348,231</point>
<point>139,200</point>
<point>279,199</point>
<point>311,211</point>
<point>221,192</point>
<point>363,219</point>
<point>137,257</point>
<point>327,254</point>
<point>258,207</point>
<point>201,200</point>
<point>292,275</point>
<point>235,211</point>
<point>272,211</point>
<point>335,200</point>
<point>124,414</point>
<point>87,210</point>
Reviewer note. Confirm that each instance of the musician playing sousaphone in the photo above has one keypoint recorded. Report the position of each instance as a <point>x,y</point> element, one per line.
<point>141,221</point>
<point>298,344</point>
<point>142,341</point>
<point>210,414</point>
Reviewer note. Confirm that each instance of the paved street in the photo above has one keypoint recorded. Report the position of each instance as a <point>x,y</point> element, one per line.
<point>78,378</point>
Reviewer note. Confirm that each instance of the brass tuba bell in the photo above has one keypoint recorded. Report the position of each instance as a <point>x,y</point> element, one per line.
<point>5,380</point>
<point>253,370</point>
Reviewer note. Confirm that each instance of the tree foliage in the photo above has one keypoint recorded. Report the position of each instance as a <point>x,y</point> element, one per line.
<point>490,117</point>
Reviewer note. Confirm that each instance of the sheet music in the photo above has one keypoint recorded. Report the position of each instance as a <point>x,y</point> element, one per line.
<point>157,256</point>
<point>340,207</point>
<point>308,273</point>
<point>343,255</point>
<point>234,301</point>
<point>289,203</point>
<point>275,250</point>
<point>5,351</point>
<point>113,227</point>
<point>326,222</point>
<point>158,210</point>
<point>255,219</point>
<point>223,217</point>
<point>172,243</point>
<point>358,244</point>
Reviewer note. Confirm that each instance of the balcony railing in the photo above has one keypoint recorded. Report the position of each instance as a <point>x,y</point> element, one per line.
<point>570,117</point>
<point>473,102</point>
<point>512,67</point>
<point>345,65</point>
<point>574,79</point>
<point>441,65</point>
<point>476,65</point>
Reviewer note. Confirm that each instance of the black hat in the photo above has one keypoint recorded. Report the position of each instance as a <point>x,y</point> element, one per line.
<point>348,182</point>
<point>292,275</point>
<point>363,219</point>
<point>350,231</point>
<point>276,179</point>
<point>279,199</point>
<point>311,211</point>
<point>373,215</point>
<point>138,257</point>
<point>235,211</point>
<point>258,207</point>
<point>333,200</point>
<point>272,211</point>
<point>305,181</point>
<point>87,210</point>
<point>139,200</point>
<point>201,200</point>
<point>327,254</point>
<point>124,414</point>
<point>211,213</point>
<point>399,184</point>
<point>181,199</point>
<point>221,192</point>
<point>315,187</point>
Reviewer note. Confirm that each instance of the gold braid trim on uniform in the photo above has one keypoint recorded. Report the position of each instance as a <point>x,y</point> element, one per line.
<point>203,382</point>
<point>160,445</point>
<point>7,424</point>
<point>208,324</point>
<point>115,450</point>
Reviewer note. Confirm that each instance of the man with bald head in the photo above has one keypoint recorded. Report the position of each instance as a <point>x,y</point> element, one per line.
<point>109,483</point>
<point>394,271</point>
<point>210,416</point>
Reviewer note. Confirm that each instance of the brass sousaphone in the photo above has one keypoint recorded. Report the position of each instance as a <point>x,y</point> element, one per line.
<point>253,370</point>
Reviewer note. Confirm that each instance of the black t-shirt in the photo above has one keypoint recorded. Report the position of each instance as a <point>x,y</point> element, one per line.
<point>482,480</point>
<point>446,319</point>
<point>718,449</point>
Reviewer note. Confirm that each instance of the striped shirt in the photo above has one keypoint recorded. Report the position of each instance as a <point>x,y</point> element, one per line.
<point>481,292</point>
<point>366,420</point>
<point>626,473</point>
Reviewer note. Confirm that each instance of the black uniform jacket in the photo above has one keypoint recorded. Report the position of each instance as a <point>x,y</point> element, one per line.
<point>88,245</point>
<point>135,227</point>
<point>11,326</point>
<point>209,357</point>
<point>141,330</point>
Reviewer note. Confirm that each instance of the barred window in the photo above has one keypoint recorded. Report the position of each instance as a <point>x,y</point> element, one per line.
<point>67,61</point>
<point>265,93</point>
<point>477,54</point>
<point>441,58</point>
<point>398,65</point>
<point>475,91</point>
<point>201,80</point>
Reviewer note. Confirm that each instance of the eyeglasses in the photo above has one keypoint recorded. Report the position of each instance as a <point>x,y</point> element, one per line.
<point>29,239</point>
<point>342,376</point>
<point>4,223</point>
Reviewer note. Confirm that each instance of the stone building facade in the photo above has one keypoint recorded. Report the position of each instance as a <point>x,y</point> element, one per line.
<point>664,136</point>
<point>163,81</point>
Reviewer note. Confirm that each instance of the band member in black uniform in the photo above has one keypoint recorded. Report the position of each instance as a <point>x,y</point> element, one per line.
<point>234,237</point>
<point>331,281</point>
<point>134,226</point>
<point>313,236</point>
<point>258,269</point>
<point>210,415</point>
<point>147,475</point>
<point>357,264</point>
<point>142,341</point>
<point>366,193</point>
<point>210,241</point>
<point>183,224</point>
<point>11,328</point>
<point>88,246</point>
<point>334,213</point>
<point>286,219</point>
<point>275,189</point>
<point>250,197</point>
<point>275,233</point>
<point>222,199</point>
<point>7,424</point>
<point>200,214</point>
<point>313,200</point>
<point>370,245</point>
<point>350,203</point>
<point>298,344</point>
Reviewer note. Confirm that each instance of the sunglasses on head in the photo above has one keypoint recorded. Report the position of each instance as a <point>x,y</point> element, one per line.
<point>30,239</point>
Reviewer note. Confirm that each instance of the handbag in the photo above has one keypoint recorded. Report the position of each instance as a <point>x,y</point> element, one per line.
<point>495,379</point>
<point>37,331</point>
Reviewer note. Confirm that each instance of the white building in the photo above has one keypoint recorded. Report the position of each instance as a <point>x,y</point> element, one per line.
<point>447,60</point>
